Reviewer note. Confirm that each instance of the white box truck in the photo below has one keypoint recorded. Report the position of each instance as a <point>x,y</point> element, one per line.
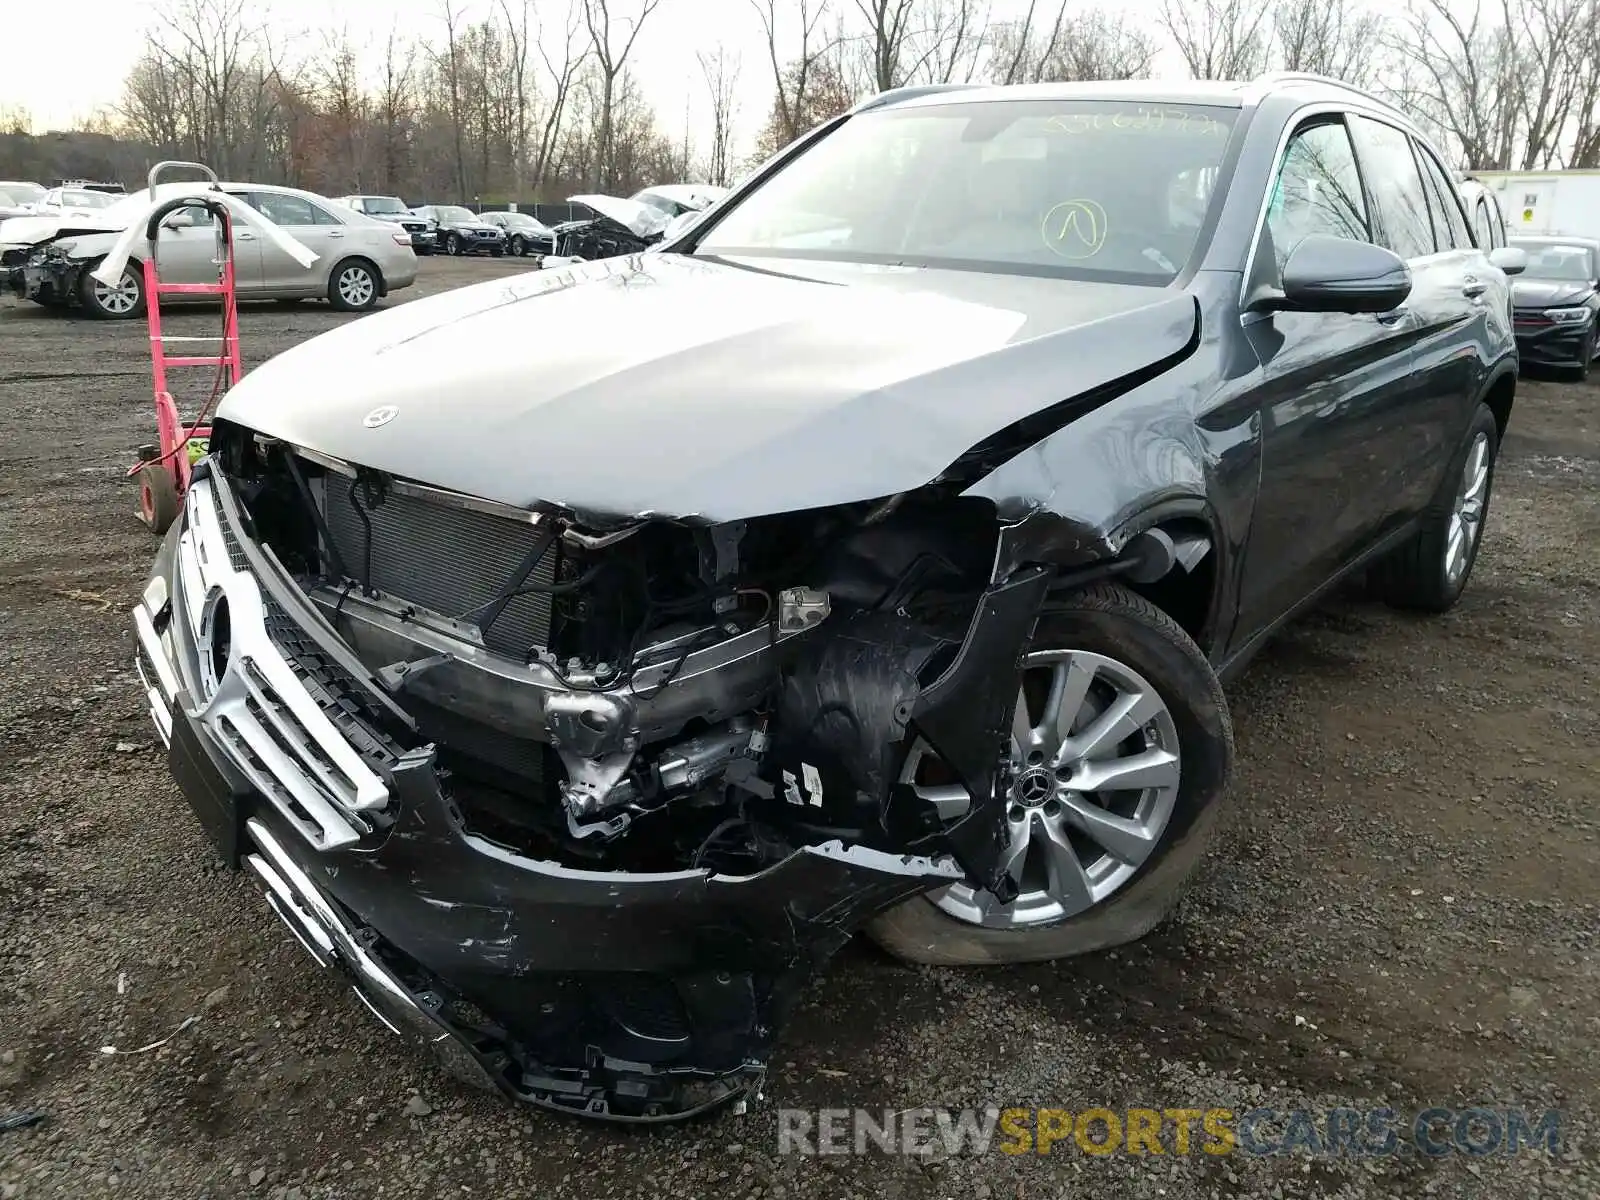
<point>1547,202</point>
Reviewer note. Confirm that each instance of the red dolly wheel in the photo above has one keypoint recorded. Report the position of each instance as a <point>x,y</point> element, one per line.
<point>158,498</point>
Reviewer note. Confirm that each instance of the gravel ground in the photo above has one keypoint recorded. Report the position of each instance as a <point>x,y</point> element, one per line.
<point>1401,908</point>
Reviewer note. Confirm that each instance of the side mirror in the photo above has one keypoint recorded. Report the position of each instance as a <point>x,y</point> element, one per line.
<point>681,224</point>
<point>1338,275</point>
<point>182,219</point>
<point>1513,260</point>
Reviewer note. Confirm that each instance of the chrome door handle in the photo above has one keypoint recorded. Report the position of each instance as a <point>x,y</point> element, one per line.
<point>244,235</point>
<point>335,233</point>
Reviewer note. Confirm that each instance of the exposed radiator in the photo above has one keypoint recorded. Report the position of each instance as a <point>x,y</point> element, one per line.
<point>446,559</point>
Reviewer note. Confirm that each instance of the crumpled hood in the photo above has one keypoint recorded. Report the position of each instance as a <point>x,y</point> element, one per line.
<point>1547,293</point>
<point>28,231</point>
<point>675,386</point>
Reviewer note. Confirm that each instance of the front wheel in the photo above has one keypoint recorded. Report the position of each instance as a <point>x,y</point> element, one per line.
<point>123,302</point>
<point>1121,748</point>
<point>518,249</point>
<point>452,244</point>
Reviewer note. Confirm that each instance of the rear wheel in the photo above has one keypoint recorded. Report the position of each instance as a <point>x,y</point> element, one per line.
<point>123,302</point>
<point>158,498</point>
<point>1120,750</point>
<point>353,286</point>
<point>1430,571</point>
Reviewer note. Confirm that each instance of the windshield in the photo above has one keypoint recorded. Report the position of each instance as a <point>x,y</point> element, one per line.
<point>383,204</point>
<point>454,212</point>
<point>78,198</point>
<point>1079,188</point>
<point>1567,264</point>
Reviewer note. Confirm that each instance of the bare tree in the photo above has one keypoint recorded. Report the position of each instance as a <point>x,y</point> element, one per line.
<point>521,90</point>
<point>449,65</point>
<point>792,78</point>
<point>721,72</point>
<point>1089,45</point>
<point>344,104</point>
<point>1328,37</point>
<point>395,108</point>
<point>611,60</point>
<point>1219,39</point>
<point>1460,73</point>
<point>563,69</point>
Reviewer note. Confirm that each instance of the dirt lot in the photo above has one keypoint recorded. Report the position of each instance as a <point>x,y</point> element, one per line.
<point>1401,910</point>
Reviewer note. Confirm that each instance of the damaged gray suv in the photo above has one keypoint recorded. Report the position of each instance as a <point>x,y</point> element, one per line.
<point>869,558</point>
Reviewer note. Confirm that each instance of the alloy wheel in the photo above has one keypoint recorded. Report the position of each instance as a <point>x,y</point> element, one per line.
<point>120,300</point>
<point>356,286</point>
<point>1091,779</point>
<point>1466,520</point>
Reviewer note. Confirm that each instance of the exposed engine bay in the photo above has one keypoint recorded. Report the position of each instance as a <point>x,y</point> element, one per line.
<point>647,697</point>
<point>580,804</point>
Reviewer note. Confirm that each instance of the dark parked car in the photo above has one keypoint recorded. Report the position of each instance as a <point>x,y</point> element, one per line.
<point>883,575</point>
<point>1556,304</point>
<point>459,230</point>
<point>524,235</point>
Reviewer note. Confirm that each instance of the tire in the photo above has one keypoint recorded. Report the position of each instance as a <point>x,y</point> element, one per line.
<point>353,285</point>
<point>158,498</point>
<point>1416,575</point>
<point>125,303</point>
<point>1580,373</point>
<point>452,244</point>
<point>518,247</point>
<point>1119,632</point>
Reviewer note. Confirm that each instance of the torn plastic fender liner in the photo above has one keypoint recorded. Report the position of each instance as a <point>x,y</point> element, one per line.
<point>966,715</point>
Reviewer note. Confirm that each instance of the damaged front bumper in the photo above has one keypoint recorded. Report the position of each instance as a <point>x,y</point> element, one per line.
<point>619,995</point>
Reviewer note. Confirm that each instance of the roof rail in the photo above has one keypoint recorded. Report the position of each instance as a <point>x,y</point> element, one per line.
<point>1327,80</point>
<point>895,95</point>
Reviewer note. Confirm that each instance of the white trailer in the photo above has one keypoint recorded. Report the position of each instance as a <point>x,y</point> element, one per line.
<point>1547,202</point>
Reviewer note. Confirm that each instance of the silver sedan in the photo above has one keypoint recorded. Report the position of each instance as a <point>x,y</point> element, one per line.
<point>359,259</point>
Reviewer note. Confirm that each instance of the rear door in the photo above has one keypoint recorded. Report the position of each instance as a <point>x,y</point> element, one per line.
<point>308,223</point>
<point>1333,385</point>
<point>1452,288</point>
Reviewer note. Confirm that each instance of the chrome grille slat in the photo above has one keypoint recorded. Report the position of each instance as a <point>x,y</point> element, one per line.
<point>446,559</point>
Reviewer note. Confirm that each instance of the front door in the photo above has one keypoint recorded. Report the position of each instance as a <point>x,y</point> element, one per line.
<point>1331,388</point>
<point>188,253</point>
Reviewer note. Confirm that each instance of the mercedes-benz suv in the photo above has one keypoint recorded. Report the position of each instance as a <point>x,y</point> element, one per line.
<point>872,557</point>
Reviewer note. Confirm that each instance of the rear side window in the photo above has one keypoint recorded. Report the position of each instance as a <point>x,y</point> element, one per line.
<point>1396,187</point>
<point>1318,190</point>
<point>1450,227</point>
<point>1485,226</point>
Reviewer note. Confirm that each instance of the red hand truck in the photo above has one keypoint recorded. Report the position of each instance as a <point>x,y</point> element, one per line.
<point>163,469</point>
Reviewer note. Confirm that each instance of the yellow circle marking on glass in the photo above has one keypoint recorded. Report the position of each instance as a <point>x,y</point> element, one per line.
<point>1075,229</point>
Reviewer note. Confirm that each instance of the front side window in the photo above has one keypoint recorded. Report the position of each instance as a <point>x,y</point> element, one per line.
<point>1483,225</point>
<point>1318,190</point>
<point>1087,189</point>
<point>1396,187</point>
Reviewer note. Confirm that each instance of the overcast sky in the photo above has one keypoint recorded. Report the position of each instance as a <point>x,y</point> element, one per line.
<point>111,33</point>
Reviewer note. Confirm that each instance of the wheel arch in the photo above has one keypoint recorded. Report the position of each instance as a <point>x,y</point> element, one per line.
<point>1167,551</point>
<point>1499,393</point>
<point>366,261</point>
